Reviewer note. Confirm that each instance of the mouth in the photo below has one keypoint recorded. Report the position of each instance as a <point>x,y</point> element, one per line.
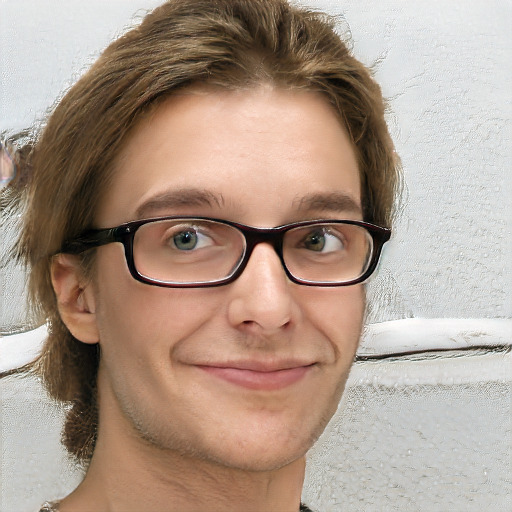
<point>257,376</point>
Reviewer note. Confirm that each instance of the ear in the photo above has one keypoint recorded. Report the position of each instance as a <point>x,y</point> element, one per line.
<point>75,298</point>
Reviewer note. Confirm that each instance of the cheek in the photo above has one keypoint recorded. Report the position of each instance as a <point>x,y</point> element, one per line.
<point>338,313</point>
<point>141,315</point>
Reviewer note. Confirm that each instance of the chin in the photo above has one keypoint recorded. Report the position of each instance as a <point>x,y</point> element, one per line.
<point>255,461</point>
<point>258,448</point>
<point>268,451</point>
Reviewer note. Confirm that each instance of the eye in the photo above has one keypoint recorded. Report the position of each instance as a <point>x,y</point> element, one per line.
<point>323,241</point>
<point>189,239</point>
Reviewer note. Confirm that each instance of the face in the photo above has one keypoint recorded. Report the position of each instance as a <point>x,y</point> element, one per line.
<point>247,374</point>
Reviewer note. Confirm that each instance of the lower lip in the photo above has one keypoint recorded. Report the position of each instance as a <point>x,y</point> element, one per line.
<point>264,381</point>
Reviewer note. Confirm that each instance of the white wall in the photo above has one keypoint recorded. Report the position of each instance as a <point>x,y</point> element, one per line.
<point>416,435</point>
<point>445,67</point>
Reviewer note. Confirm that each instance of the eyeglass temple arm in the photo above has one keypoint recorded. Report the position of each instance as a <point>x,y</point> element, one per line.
<point>91,239</point>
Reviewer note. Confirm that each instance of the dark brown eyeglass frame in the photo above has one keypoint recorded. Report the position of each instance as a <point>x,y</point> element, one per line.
<point>253,236</point>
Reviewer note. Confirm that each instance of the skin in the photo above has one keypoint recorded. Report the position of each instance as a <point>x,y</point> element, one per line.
<point>173,436</point>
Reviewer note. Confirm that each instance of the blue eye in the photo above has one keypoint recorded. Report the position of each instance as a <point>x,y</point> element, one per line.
<point>186,240</point>
<point>323,241</point>
<point>190,239</point>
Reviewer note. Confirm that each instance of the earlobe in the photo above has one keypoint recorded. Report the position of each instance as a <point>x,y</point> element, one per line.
<point>75,298</point>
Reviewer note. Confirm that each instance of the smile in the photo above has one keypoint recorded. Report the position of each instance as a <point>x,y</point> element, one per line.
<point>259,379</point>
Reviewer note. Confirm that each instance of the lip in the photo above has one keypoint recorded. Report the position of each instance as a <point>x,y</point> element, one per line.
<point>257,376</point>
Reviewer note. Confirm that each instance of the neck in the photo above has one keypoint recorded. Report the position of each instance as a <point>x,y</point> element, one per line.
<point>128,474</point>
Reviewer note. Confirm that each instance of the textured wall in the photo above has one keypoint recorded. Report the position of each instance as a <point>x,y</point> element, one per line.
<point>445,67</point>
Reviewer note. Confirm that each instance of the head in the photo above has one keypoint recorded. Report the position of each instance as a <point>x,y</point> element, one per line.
<point>157,112</point>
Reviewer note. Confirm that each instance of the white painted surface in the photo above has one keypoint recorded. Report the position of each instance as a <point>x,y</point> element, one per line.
<point>20,349</point>
<point>417,334</point>
<point>421,435</point>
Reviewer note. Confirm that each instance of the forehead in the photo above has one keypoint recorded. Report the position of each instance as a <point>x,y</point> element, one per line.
<point>257,156</point>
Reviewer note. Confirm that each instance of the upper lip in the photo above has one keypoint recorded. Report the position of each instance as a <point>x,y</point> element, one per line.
<point>260,366</point>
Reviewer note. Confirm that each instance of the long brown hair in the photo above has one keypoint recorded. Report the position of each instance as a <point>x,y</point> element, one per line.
<point>230,44</point>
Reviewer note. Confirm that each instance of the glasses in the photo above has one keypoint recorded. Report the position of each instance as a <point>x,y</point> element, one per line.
<point>193,252</point>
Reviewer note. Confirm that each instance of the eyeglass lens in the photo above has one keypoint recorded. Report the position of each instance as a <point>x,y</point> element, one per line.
<point>201,251</point>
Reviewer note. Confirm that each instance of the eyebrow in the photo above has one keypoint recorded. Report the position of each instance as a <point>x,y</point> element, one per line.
<point>180,198</point>
<point>336,202</point>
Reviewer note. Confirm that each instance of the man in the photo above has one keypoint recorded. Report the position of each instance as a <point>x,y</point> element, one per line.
<point>205,206</point>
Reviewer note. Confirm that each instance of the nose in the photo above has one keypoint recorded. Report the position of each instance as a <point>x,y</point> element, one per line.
<point>262,300</point>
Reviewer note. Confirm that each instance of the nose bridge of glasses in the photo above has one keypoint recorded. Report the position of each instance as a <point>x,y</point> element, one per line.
<point>256,236</point>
